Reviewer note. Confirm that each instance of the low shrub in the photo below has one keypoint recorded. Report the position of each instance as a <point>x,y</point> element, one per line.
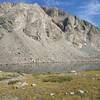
<point>13,82</point>
<point>57,79</point>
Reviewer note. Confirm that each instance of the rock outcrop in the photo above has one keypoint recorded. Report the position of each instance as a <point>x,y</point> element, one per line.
<point>77,31</point>
<point>29,33</point>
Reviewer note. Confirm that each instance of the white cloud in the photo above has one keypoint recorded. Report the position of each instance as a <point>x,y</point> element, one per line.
<point>90,10</point>
<point>55,3</point>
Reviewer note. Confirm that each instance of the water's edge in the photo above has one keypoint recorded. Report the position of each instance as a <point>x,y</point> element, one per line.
<point>49,67</point>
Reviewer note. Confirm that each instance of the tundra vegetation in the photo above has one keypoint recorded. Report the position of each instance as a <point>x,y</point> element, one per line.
<point>84,85</point>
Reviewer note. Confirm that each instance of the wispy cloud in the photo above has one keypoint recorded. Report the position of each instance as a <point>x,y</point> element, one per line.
<point>56,3</point>
<point>90,10</point>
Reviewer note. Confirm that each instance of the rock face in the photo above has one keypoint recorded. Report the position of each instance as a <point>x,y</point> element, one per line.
<point>79,32</point>
<point>29,33</point>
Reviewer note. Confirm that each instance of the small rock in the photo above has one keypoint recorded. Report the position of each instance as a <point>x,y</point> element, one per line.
<point>20,84</point>
<point>24,84</point>
<point>73,71</point>
<point>80,45</point>
<point>72,93</point>
<point>81,91</point>
<point>52,94</point>
<point>33,84</point>
<point>85,44</point>
<point>94,87</point>
<point>66,93</point>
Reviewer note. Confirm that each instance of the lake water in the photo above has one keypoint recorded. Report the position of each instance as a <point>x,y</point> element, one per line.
<point>49,67</point>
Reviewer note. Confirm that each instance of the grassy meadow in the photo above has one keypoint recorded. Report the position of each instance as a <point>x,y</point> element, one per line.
<point>84,85</point>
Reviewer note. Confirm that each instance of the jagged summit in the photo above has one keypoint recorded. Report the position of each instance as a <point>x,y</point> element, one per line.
<point>29,33</point>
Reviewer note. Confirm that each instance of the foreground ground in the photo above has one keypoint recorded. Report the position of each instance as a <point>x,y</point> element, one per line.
<point>74,85</point>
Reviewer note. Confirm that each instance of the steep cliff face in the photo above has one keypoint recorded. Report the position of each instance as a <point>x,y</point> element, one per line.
<point>28,34</point>
<point>77,31</point>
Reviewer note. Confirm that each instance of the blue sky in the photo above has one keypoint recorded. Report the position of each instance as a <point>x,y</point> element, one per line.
<point>85,9</point>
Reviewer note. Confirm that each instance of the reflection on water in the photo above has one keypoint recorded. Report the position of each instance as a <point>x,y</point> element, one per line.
<point>49,67</point>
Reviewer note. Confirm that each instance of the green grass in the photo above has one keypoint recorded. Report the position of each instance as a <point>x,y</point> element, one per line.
<point>13,82</point>
<point>57,83</point>
<point>57,78</point>
<point>7,75</point>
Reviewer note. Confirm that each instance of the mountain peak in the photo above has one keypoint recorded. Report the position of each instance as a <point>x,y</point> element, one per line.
<point>29,33</point>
